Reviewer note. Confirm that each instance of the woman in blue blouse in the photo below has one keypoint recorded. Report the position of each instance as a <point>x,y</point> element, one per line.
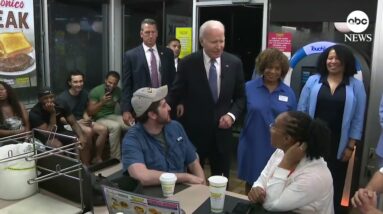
<point>339,99</point>
<point>267,97</point>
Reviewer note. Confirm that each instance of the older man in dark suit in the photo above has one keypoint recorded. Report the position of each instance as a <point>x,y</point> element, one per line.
<point>209,91</point>
<point>146,65</point>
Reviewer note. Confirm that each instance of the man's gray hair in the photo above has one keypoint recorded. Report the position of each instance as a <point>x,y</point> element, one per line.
<point>209,24</point>
<point>149,22</point>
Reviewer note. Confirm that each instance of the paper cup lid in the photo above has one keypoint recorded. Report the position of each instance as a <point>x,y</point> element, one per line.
<point>217,179</point>
<point>168,177</point>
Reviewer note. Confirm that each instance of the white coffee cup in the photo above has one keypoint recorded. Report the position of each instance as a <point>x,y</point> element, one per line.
<point>217,187</point>
<point>168,181</point>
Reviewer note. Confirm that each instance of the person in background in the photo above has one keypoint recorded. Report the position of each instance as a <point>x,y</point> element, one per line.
<point>296,177</point>
<point>46,115</point>
<point>146,65</point>
<point>267,97</point>
<point>365,199</point>
<point>13,117</point>
<point>336,97</point>
<point>77,99</point>
<point>209,94</point>
<point>379,147</point>
<point>103,100</point>
<point>157,144</point>
<point>175,45</point>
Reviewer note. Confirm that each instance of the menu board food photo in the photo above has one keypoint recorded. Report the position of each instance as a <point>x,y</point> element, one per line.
<point>16,54</point>
<point>17,44</point>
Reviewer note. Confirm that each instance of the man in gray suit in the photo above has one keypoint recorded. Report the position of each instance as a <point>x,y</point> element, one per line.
<point>209,94</point>
<point>146,65</point>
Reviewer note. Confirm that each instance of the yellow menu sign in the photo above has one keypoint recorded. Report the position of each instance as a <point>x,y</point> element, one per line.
<point>184,34</point>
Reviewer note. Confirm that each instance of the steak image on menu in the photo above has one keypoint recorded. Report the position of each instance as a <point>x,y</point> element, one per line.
<point>16,54</point>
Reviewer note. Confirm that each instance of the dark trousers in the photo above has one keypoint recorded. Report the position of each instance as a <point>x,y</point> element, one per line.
<point>219,162</point>
<point>219,152</point>
<point>338,171</point>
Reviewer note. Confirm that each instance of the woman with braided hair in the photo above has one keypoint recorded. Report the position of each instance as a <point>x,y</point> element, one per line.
<point>296,177</point>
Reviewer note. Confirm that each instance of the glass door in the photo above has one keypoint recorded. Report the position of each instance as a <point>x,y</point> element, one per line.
<point>78,40</point>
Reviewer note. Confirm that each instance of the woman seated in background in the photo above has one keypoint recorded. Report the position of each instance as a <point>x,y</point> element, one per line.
<point>296,177</point>
<point>13,117</point>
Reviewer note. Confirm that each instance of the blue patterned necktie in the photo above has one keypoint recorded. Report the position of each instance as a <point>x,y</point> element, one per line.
<point>153,70</point>
<point>213,80</point>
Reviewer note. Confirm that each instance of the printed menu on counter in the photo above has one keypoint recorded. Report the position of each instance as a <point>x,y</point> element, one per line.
<point>127,202</point>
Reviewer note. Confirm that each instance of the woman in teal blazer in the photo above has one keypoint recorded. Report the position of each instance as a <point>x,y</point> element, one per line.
<point>339,99</point>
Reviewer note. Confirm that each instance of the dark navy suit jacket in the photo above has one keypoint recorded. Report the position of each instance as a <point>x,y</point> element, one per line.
<point>201,114</point>
<point>136,73</point>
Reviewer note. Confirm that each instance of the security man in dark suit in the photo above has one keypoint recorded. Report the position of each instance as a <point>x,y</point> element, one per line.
<point>146,65</point>
<point>175,45</point>
<point>209,94</point>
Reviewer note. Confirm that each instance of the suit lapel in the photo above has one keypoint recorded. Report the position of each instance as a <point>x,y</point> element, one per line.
<point>141,55</point>
<point>162,59</point>
<point>225,68</point>
<point>202,71</point>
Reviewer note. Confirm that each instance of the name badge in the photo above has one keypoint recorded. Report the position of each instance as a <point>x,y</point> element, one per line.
<point>283,98</point>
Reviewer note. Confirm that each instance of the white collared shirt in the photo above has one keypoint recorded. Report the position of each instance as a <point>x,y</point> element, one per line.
<point>206,61</point>
<point>148,58</point>
<point>176,63</point>
<point>307,189</point>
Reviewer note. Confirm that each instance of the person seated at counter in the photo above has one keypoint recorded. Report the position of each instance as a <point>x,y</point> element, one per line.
<point>157,144</point>
<point>296,177</point>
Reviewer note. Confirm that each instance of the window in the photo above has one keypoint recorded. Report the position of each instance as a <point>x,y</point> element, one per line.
<point>78,39</point>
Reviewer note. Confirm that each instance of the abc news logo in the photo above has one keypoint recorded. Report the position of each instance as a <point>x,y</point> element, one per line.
<point>357,22</point>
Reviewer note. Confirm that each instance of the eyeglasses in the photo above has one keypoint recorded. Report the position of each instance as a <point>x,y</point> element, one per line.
<point>272,126</point>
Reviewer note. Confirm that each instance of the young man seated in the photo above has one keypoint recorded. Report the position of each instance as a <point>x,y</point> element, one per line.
<point>46,115</point>
<point>156,144</point>
<point>103,100</point>
<point>76,97</point>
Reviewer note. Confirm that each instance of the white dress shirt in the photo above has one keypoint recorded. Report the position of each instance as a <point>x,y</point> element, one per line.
<point>217,63</point>
<point>307,189</point>
<point>176,63</point>
<point>148,55</point>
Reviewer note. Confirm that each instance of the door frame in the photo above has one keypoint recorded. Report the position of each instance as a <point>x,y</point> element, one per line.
<point>214,3</point>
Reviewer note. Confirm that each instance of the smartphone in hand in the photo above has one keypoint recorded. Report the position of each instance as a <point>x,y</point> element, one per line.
<point>108,90</point>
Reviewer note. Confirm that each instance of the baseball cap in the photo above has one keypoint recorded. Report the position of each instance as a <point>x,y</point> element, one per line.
<point>144,97</point>
<point>44,91</point>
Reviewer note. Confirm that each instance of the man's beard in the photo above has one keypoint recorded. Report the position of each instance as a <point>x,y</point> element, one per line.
<point>163,121</point>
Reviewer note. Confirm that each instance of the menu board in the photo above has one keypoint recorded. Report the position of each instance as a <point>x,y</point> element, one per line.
<point>17,43</point>
<point>126,202</point>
